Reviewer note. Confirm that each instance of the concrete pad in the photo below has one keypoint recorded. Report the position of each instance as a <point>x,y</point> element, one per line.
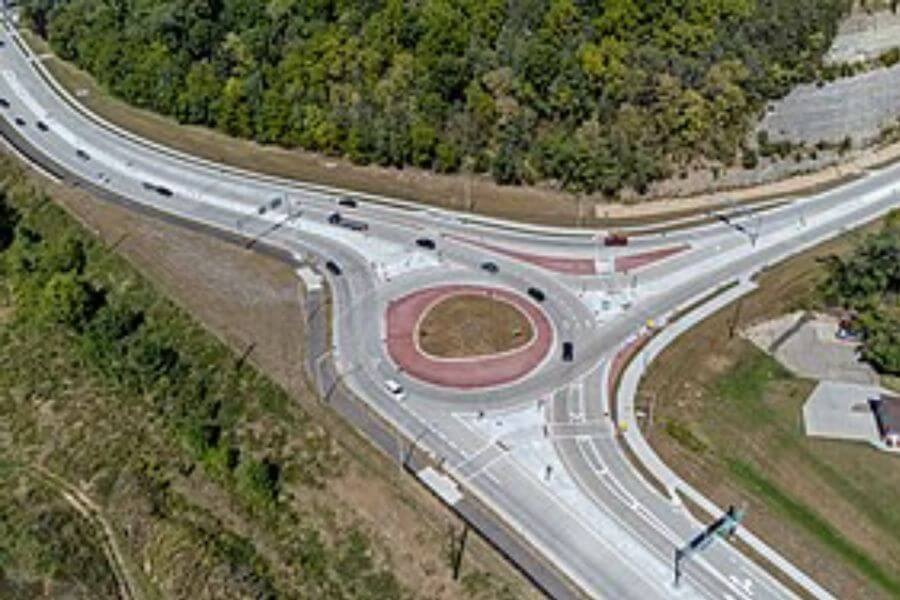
<point>841,411</point>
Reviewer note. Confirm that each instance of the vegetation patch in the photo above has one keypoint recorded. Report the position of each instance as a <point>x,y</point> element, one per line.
<point>47,549</point>
<point>866,283</point>
<point>593,97</point>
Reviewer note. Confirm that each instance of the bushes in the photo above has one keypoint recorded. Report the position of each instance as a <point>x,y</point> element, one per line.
<point>128,339</point>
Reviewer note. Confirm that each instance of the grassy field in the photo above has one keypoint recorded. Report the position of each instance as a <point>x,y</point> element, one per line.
<point>215,481</point>
<point>470,325</point>
<point>728,418</point>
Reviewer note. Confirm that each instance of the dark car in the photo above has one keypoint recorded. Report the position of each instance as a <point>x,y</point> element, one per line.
<point>615,239</point>
<point>42,126</point>
<point>163,191</point>
<point>262,209</point>
<point>426,243</point>
<point>20,121</point>
<point>348,202</point>
<point>276,202</point>
<point>85,156</point>
<point>4,102</point>
<point>354,225</point>
<point>334,218</point>
<point>333,267</point>
<point>490,267</point>
<point>568,351</point>
<point>536,294</point>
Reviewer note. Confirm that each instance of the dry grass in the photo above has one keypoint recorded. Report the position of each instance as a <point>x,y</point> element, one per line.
<point>473,325</point>
<point>728,419</point>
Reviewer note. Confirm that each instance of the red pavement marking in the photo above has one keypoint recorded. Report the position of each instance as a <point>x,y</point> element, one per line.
<point>559,264</point>
<point>636,261</point>
<point>622,358</point>
<point>404,314</point>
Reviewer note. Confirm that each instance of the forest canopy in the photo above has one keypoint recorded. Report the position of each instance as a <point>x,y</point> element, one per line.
<point>593,96</point>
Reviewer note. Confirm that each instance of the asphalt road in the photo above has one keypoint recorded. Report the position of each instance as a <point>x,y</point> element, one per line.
<point>593,518</point>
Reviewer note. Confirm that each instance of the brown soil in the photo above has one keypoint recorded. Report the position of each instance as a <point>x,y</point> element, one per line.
<point>252,303</point>
<point>694,430</point>
<point>472,325</point>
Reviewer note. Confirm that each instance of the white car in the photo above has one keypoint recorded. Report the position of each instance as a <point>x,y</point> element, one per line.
<point>395,389</point>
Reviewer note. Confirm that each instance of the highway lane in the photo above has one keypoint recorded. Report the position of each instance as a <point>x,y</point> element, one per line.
<point>230,201</point>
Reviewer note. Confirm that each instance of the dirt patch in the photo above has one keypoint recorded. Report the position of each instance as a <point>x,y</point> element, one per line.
<point>732,427</point>
<point>471,325</point>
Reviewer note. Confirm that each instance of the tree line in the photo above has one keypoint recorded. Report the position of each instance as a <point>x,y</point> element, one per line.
<point>592,96</point>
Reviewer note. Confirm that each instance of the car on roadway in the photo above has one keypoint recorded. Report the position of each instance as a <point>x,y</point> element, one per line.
<point>262,209</point>
<point>163,191</point>
<point>333,267</point>
<point>568,351</point>
<point>615,239</point>
<point>490,267</point>
<point>20,121</point>
<point>426,243</point>
<point>42,126</point>
<point>4,103</point>
<point>276,202</point>
<point>348,202</point>
<point>85,156</point>
<point>395,389</point>
<point>352,224</point>
<point>536,294</point>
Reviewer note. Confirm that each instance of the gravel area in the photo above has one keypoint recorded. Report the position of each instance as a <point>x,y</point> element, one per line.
<point>865,36</point>
<point>858,107</point>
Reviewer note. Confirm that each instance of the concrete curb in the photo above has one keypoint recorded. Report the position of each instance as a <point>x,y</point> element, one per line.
<point>625,397</point>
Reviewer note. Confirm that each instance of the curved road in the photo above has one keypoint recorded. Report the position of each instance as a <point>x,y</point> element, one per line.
<point>541,451</point>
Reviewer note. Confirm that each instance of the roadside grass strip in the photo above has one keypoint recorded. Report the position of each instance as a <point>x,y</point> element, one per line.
<point>774,497</point>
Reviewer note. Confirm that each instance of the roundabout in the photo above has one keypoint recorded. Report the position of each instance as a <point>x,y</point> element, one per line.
<point>467,336</point>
